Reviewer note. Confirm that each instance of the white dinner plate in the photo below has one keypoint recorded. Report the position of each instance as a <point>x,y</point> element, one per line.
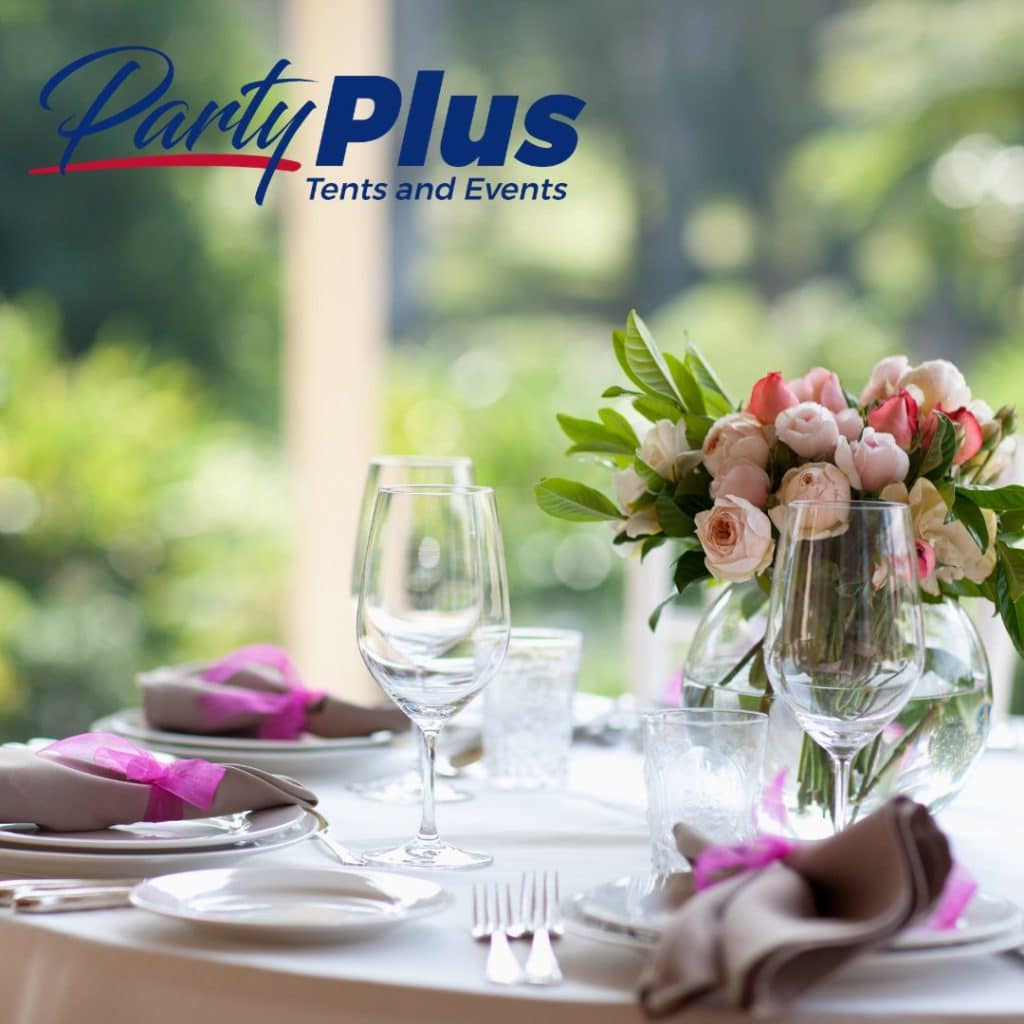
<point>299,905</point>
<point>16,861</point>
<point>131,724</point>
<point>165,836</point>
<point>578,923</point>
<point>636,904</point>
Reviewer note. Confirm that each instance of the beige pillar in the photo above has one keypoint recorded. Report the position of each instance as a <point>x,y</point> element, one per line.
<point>334,337</point>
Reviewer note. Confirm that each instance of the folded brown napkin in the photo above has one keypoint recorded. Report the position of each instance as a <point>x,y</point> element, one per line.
<point>96,780</point>
<point>762,937</point>
<point>254,691</point>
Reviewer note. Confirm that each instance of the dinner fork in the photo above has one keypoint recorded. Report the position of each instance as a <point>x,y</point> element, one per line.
<point>341,853</point>
<point>492,915</point>
<point>543,920</point>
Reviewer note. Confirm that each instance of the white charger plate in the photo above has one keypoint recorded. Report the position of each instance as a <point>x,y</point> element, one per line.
<point>578,923</point>
<point>299,905</point>
<point>131,724</point>
<point>165,836</point>
<point>16,861</point>
<point>635,904</point>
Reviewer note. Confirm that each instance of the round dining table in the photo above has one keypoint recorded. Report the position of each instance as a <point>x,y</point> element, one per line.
<point>125,965</point>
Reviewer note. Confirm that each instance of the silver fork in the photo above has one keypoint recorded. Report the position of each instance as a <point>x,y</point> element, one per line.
<point>492,914</point>
<point>542,964</point>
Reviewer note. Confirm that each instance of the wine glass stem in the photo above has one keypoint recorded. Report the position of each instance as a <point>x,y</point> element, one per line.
<point>428,755</point>
<point>841,776</point>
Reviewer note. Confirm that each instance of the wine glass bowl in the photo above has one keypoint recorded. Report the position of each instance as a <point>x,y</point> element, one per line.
<point>433,623</point>
<point>844,645</point>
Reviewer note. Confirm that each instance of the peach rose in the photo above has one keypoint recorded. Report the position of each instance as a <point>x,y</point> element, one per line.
<point>873,461</point>
<point>809,429</point>
<point>885,379</point>
<point>743,480</point>
<point>737,539</point>
<point>769,396</point>
<point>815,481</point>
<point>735,437</point>
<point>937,384</point>
<point>821,386</point>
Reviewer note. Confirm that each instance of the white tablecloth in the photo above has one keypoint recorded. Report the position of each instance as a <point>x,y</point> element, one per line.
<point>124,965</point>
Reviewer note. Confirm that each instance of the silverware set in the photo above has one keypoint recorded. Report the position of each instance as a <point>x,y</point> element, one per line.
<point>536,917</point>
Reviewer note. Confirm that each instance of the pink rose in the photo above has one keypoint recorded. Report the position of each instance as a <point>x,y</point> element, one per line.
<point>937,384</point>
<point>815,481</point>
<point>885,379</point>
<point>898,416</point>
<point>743,480</point>
<point>770,395</point>
<point>850,424</point>
<point>821,386</point>
<point>925,558</point>
<point>737,539</point>
<point>973,438</point>
<point>809,429</point>
<point>738,436</point>
<point>872,462</point>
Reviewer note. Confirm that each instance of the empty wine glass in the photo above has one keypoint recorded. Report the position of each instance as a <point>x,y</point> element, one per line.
<point>390,471</point>
<point>844,645</point>
<point>433,624</point>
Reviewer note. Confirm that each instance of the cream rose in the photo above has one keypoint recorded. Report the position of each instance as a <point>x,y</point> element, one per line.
<point>737,539</point>
<point>885,379</point>
<point>809,429</point>
<point>629,485</point>
<point>937,384</point>
<point>816,481</point>
<point>735,437</point>
<point>956,554</point>
<point>743,480</point>
<point>872,462</point>
<point>662,445</point>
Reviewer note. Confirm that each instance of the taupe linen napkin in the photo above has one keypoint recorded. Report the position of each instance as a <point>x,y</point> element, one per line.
<point>761,938</point>
<point>180,699</point>
<point>69,794</point>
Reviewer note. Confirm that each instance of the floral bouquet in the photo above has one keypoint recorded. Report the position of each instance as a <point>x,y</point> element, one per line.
<point>714,477</point>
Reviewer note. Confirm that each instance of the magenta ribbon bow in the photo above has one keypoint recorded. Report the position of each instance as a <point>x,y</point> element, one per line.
<point>717,863</point>
<point>284,713</point>
<point>171,786</point>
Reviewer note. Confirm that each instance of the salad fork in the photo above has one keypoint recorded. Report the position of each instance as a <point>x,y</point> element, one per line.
<point>543,921</point>
<point>492,915</point>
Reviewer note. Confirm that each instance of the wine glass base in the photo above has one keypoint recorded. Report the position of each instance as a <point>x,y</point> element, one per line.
<point>407,788</point>
<point>436,854</point>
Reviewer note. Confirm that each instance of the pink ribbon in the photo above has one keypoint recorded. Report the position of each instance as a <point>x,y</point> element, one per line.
<point>171,786</point>
<point>717,863</point>
<point>284,714</point>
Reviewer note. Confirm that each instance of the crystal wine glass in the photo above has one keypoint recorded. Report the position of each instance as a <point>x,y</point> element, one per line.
<point>844,645</point>
<point>397,470</point>
<point>433,624</point>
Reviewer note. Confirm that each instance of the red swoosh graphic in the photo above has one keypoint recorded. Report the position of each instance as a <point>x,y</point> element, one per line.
<point>171,160</point>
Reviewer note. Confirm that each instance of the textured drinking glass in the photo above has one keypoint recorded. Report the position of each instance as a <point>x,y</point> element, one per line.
<point>528,710</point>
<point>844,645</point>
<point>433,624</point>
<point>398,471</point>
<point>703,767</point>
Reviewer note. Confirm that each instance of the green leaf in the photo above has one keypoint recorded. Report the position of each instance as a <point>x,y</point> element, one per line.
<point>690,568</point>
<point>939,457</point>
<point>673,521</point>
<point>697,428</point>
<point>651,477</point>
<point>616,392</point>
<point>716,401</point>
<point>619,347</point>
<point>973,520</point>
<point>1001,499</point>
<point>645,360</point>
<point>1011,612</point>
<point>651,543</point>
<point>1011,523</point>
<point>567,499</point>
<point>655,616</point>
<point>618,424</point>
<point>1012,561</point>
<point>591,436</point>
<point>655,409</point>
<point>686,384</point>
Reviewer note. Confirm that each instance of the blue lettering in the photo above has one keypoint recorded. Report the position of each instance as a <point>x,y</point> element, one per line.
<point>341,126</point>
<point>458,149</point>
<point>420,122</point>
<point>541,122</point>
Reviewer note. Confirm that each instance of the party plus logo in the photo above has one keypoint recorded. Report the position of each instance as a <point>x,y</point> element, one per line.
<point>268,114</point>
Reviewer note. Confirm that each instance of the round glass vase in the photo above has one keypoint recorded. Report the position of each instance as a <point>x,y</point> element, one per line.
<point>927,753</point>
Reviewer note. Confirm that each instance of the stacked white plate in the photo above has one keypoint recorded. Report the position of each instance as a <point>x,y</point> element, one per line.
<point>633,911</point>
<point>144,849</point>
<point>302,757</point>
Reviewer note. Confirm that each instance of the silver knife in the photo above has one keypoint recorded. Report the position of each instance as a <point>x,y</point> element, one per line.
<point>59,901</point>
<point>14,887</point>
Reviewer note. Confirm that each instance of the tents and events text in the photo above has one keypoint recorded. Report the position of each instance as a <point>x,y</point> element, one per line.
<point>471,188</point>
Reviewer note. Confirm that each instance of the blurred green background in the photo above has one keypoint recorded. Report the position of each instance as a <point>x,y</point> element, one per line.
<point>790,183</point>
